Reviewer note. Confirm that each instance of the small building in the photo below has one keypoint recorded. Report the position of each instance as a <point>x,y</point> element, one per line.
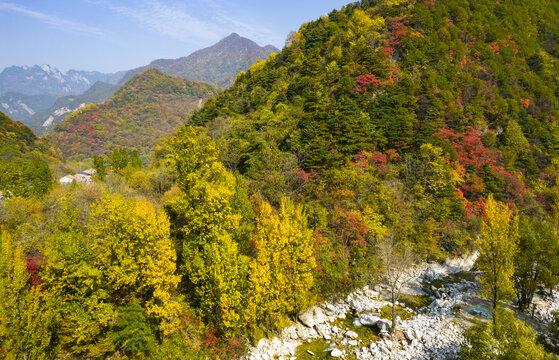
<point>68,179</point>
<point>89,172</point>
<point>85,177</point>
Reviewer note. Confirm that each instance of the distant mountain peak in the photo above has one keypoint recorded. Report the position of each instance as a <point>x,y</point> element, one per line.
<point>218,64</point>
<point>235,38</point>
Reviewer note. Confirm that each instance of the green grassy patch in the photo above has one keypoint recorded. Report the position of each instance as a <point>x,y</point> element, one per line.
<point>366,334</point>
<point>453,278</point>
<point>415,302</point>
<point>316,346</point>
<point>386,312</point>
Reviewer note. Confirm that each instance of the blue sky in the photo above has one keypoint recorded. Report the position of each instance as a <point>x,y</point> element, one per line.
<point>113,35</point>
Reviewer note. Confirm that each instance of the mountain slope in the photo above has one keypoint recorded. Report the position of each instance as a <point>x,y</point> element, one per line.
<point>45,120</point>
<point>402,73</point>
<point>218,64</point>
<point>44,79</point>
<point>148,107</point>
<point>23,169</point>
<point>445,101</point>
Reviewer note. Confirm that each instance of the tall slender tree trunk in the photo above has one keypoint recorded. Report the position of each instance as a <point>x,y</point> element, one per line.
<point>495,290</point>
<point>393,313</point>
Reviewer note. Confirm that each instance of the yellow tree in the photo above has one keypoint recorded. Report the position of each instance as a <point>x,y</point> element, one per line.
<point>299,257</point>
<point>202,211</point>
<point>83,307</point>
<point>133,249</point>
<point>282,272</point>
<point>24,318</point>
<point>497,246</point>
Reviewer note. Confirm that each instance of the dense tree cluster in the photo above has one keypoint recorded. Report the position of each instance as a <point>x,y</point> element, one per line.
<point>23,167</point>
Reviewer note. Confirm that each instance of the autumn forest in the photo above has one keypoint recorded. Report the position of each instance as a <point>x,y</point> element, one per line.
<point>385,136</point>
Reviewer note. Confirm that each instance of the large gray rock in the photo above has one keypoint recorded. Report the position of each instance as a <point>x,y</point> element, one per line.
<point>383,325</point>
<point>336,353</point>
<point>307,318</point>
<point>368,319</point>
<point>319,316</point>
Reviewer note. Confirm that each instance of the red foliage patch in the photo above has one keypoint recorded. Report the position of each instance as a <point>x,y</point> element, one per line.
<point>34,264</point>
<point>306,176</point>
<point>350,227</point>
<point>366,82</point>
<point>470,150</point>
<point>474,156</point>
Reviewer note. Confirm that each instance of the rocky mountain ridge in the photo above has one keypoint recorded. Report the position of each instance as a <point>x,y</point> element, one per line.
<point>218,64</point>
<point>27,91</point>
<point>45,79</point>
<point>21,107</point>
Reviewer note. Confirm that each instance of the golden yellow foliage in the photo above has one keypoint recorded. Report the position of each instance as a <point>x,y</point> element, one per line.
<point>133,249</point>
<point>497,245</point>
<point>281,275</point>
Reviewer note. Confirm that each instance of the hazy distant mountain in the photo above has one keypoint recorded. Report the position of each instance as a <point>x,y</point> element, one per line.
<point>218,64</point>
<point>44,120</point>
<point>148,107</point>
<point>44,79</point>
<point>21,107</point>
<point>28,94</point>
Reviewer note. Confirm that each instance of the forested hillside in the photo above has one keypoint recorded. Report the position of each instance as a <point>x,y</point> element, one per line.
<point>385,133</point>
<point>148,107</point>
<point>398,119</point>
<point>23,169</point>
<point>435,105</point>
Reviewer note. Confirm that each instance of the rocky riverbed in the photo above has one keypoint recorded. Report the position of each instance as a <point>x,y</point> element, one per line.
<point>546,306</point>
<point>358,326</point>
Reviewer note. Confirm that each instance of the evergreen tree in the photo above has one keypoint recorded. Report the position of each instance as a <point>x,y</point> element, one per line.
<point>135,160</point>
<point>99,166</point>
<point>83,306</point>
<point>537,261</point>
<point>118,159</point>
